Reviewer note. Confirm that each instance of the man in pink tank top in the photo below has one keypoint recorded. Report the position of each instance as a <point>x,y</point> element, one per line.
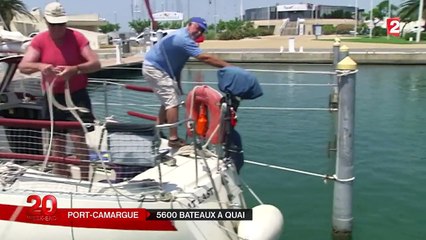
<point>61,55</point>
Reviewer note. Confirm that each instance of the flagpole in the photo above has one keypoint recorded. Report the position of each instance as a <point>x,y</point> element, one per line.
<point>389,15</point>
<point>371,19</point>
<point>419,21</point>
<point>241,10</point>
<point>356,18</point>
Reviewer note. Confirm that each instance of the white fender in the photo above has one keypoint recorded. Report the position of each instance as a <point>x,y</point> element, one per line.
<point>267,224</point>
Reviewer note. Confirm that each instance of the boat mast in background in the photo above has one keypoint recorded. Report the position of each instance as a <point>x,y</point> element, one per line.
<point>154,24</point>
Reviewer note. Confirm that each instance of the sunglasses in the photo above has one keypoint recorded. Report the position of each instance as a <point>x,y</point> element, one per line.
<point>201,30</point>
<point>56,24</point>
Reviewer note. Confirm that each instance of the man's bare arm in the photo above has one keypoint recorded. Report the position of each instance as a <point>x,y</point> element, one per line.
<point>29,63</point>
<point>212,60</point>
<point>93,64</point>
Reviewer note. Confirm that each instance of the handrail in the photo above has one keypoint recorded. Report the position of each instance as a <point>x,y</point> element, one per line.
<point>38,124</point>
<point>138,88</point>
<point>142,115</point>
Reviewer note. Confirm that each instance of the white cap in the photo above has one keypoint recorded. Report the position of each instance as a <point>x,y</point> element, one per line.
<point>54,13</point>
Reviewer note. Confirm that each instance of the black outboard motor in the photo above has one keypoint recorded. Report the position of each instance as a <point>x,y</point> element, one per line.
<point>237,84</point>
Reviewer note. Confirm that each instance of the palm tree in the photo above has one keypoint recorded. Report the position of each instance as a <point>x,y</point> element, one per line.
<point>383,8</point>
<point>409,11</point>
<point>9,8</point>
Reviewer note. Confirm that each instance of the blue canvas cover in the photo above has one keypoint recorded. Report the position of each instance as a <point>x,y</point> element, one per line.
<point>239,82</point>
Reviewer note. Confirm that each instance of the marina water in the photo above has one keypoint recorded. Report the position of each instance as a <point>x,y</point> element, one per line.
<point>389,150</point>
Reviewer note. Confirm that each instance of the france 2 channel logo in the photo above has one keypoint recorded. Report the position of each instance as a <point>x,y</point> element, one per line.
<point>393,26</point>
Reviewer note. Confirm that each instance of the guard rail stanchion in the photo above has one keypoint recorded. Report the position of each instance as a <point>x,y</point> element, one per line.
<point>343,52</point>
<point>342,197</point>
<point>336,47</point>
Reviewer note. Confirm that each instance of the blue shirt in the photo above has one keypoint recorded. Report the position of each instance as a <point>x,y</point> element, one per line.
<point>172,52</point>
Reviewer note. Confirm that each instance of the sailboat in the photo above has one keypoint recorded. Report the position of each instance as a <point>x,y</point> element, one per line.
<point>136,187</point>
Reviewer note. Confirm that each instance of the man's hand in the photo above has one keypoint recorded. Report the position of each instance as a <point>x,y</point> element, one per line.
<point>48,70</point>
<point>66,72</point>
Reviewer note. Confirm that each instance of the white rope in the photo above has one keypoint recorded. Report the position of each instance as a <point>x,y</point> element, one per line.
<point>73,109</point>
<point>9,172</point>
<point>251,70</point>
<point>110,81</point>
<point>292,71</point>
<point>343,180</point>
<point>70,107</point>
<point>188,150</point>
<point>127,104</point>
<point>324,176</point>
<point>286,109</point>
<point>274,71</point>
<point>251,191</point>
<point>341,73</point>
<point>276,84</point>
<point>49,95</point>
<point>211,136</point>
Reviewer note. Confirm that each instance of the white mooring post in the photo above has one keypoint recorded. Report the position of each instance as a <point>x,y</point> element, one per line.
<point>291,45</point>
<point>336,47</point>
<point>342,198</point>
<point>117,54</point>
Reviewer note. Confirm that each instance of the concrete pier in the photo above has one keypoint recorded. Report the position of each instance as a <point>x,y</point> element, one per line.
<point>274,49</point>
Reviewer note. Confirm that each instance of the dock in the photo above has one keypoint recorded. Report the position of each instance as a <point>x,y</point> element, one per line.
<point>275,49</point>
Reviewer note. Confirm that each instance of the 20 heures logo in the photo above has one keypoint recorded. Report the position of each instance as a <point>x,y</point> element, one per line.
<point>43,208</point>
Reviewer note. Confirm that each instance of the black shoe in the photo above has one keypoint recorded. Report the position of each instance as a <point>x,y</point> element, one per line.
<point>177,143</point>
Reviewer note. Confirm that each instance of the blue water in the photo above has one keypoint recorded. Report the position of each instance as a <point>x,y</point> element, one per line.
<point>389,157</point>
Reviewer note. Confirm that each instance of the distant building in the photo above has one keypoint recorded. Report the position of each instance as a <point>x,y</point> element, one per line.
<point>299,19</point>
<point>302,10</point>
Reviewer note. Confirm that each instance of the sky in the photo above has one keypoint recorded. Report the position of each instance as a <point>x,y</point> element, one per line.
<point>119,11</point>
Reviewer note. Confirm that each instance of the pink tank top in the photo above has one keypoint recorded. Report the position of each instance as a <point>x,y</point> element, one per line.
<point>66,54</point>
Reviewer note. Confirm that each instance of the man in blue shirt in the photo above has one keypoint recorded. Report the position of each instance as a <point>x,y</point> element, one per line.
<point>162,68</point>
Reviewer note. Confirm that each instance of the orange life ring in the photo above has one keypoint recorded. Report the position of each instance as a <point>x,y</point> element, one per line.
<point>211,98</point>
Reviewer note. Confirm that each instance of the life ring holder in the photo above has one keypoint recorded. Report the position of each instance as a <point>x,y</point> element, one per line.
<point>212,99</point>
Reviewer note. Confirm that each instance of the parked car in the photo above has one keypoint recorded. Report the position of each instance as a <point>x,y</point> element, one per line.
<point>140,39</point>
<point>416,29</point>
<point>33,34</point>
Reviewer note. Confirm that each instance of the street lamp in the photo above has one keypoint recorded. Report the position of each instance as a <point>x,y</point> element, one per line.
<point>389,16</point>
<point>356,18</point>
<point>371,25</point>
<point>419,20</point>
<point>241,10</point>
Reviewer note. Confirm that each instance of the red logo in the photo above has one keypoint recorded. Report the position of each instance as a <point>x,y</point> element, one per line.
<point>393,26</point>
<point>41,205</point>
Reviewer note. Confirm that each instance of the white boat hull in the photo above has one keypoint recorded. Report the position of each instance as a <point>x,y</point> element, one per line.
<point>70,195</point>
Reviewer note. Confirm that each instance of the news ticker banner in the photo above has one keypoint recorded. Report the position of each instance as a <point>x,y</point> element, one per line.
<point>45,211</point>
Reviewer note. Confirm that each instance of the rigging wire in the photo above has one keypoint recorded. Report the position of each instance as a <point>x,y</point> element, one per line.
<point>323,176</point>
